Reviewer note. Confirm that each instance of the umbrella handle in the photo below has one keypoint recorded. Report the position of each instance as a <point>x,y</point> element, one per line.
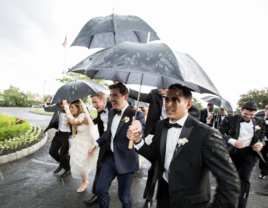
<point>130,144</point>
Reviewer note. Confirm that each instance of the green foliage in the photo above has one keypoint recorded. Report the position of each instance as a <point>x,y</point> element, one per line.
<point>93,113</point>
<point>10,128</point>
<point>258,96</point>
<point>197,104</point>
<point>45,97</point>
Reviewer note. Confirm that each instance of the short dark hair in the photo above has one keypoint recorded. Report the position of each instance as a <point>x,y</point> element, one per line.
<point>100,95</point>
<point>209,104</point>
<point>250,106</point>
<point>122,88</point>
<point>187,94</point>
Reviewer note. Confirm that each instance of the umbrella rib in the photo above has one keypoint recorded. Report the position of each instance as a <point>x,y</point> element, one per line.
<point>137,36</point>
<point>127,77</point>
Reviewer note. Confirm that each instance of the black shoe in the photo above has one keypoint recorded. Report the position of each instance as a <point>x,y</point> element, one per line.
<point>262,176</point>
<point>58,169</point>
<point>65,174</point>
<point>148,203</point>
<point>93,200</point>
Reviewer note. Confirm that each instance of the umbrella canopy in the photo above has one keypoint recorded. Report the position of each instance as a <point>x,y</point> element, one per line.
<point>76,90</point>
<point>103,32</point>
<point>155,64</point>
<point>222,103</point>
<point>260,113</point>
<point>135,102</point>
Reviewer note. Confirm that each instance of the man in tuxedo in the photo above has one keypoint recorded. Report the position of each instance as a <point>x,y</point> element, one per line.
<point>156,112</point>
<point>117,160</point>
<point>207,115</point>
<point>264,166</point>
<point>60,145</point>
<point>186,150</point>
<point>220,117</point>
<point>244,135</point>
<point>103,107</point>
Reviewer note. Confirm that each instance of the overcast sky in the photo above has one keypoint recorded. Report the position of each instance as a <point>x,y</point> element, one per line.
<point>229,39</point>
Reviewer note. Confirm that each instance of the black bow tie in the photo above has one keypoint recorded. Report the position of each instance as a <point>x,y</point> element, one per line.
<point>170,125</point>
<point>118,112</point>
<point>242,120</point>
<point>266,119</point>
<point>103,111</point>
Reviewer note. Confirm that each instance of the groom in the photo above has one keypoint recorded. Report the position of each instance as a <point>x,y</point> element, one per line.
<point>187,151</point>
<point>117,160</point>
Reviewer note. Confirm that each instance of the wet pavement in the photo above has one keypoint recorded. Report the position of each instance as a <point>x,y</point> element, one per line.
<point>30,183</point>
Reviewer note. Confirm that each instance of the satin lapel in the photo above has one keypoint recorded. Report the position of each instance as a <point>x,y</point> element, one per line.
<point>128,113</point>
<point>254,124</point>
<point>185,132</point>
<point>163,143</point>
<point>110,119</point>
<point>237,127</point>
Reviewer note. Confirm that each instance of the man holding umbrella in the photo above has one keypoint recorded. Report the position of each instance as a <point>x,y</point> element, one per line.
<point>103,107</point>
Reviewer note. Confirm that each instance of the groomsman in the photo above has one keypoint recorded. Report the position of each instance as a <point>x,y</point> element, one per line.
<point>117,160</point>
<point>186,150</point>
<point>264,151</point>
<point>103,107</point>
<point>60,145</point>
<point>220,117</point>
<point>207,115</point>
<point>156,112</point>
<point>244,135</point>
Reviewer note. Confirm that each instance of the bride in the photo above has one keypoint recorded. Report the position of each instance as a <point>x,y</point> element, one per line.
<point>84,135</point>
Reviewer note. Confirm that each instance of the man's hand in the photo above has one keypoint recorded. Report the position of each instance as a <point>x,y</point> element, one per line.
<point>134,131</point>
<point>210,117</point>
<point>65,104</point>
<point>48,100</point>
<point>239,144</point>
<point>91,150</point>
<point>257,147</point>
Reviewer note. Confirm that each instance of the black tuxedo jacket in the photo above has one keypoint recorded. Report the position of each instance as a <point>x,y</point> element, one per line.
<point>155,108</point>
<point>54,122</point>
<point>204,115</point>
<point>189,169</point>
<point>266,125</point>
<point>98,120</point>
<point>218,120</point>
<point>230,128</point>
<point>126,160</point>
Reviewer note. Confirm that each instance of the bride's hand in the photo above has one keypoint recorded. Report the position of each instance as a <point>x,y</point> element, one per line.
<point>91,150</point>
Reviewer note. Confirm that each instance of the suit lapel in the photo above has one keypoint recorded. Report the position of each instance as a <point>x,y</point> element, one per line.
<point>185,132</point>
<point>254,124</point>
<point>237,126</point>
<point>163,144</point>
<point>128,113</point>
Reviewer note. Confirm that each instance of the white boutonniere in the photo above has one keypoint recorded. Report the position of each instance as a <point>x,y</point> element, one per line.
<point>257,128</point>
<point>126,119</point>
<point>182,141</point>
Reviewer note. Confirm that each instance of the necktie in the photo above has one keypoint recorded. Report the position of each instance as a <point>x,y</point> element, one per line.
<point>118,112</point>
<point>170,125</point>
<point>242,120</point>
<point>103,111</point>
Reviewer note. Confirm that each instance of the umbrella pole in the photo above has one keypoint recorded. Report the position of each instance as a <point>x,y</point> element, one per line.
<point>130,143</point>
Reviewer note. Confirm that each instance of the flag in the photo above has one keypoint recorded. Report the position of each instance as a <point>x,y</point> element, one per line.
<point>65,42</point>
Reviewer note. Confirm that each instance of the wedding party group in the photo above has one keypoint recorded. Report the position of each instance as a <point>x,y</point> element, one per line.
<point>183,145</point>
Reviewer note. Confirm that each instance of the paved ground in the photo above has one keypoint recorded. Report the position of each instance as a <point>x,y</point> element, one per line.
<point>30,183</point>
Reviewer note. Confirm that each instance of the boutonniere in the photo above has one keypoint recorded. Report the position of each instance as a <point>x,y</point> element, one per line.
<point>126,119</point>
<point>257,128</point>
<point>182,141</point>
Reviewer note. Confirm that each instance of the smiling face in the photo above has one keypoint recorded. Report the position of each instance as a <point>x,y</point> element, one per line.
<point>223,111</point>
<point>247,115</point>
<point>118,100</point>
<point>98,103</point>
<point>74,110</point>
<point>176,104</point>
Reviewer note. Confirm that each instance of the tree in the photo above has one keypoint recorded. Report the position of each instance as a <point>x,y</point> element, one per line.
<point>14,97</point>
<point>258,96</point>
<point>197,104</point>
<point>45,97</point>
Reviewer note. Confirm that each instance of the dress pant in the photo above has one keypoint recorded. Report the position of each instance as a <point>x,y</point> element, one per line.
<point>262,165</point>
<point>107,175</point>
<point>244,161</point>
<point>59,149</point>
<point>151,181</point>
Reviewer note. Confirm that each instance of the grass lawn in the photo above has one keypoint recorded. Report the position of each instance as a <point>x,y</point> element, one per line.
<point>93,113</point>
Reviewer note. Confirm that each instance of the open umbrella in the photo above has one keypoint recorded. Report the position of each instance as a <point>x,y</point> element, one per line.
<point>77,89</point>
<point>153,64</point>
<point>222,103</point>
<point>103,32</point>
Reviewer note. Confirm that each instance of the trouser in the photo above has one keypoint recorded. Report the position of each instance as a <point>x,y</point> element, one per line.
<point>264,166</point>
<point>244,161</point>
<point>59,149</point>
<point>151,181</point>
<point>107,175</point>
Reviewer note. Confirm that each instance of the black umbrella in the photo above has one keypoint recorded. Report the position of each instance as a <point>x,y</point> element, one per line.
<point>76,90</point>
<point>133,103</point>
<point>103,32</point>
<point>153,64</point>
<point>222,103</point>
<point>260,113</point>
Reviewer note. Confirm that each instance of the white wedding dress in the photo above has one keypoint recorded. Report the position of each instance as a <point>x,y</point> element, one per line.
<point>81,164</point>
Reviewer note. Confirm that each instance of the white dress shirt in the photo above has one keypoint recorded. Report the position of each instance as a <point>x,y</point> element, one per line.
<point>63,119</point>
<point>245,135</point>
<point>115,122</point>
<point>163,110</point>
<point>104,117</point>
<point>173,136</point>
<point>209,114</point>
